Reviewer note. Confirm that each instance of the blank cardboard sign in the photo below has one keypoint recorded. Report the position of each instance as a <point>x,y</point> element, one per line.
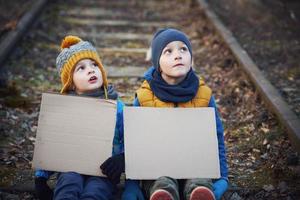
<point>180,143</point>
<point>74,133</point>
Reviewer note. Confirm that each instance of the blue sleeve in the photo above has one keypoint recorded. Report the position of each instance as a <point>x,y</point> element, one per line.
<point>43,173</point>
<point>118,141</point>
<point>221,144</point>
<point>136,102</point>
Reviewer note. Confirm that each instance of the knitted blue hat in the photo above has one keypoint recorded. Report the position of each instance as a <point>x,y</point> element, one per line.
<point>162,38</point>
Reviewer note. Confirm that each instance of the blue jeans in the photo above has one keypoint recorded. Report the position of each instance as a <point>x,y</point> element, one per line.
<point>71,185</point>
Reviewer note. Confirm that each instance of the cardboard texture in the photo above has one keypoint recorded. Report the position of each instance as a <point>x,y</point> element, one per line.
<point>180,143</point>
<point>74,133</point>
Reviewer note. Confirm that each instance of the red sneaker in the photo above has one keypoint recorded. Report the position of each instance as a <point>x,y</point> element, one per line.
<point>161,194</point>
<point>202,193</point>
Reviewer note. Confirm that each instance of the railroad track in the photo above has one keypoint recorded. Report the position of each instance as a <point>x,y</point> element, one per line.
<point>121,31</point>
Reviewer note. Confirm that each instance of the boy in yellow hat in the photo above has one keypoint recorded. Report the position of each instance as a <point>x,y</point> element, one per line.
<point>171,82</point>
<point>82,74</point>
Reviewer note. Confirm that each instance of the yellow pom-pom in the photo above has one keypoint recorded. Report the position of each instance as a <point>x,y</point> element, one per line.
<point>69,41</point>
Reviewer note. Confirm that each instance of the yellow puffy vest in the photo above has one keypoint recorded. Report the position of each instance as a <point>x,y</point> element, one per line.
<point>148,99</point>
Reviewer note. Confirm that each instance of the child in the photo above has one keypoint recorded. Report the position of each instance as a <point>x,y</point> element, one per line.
<point>171,82</point>
<point>82,74</point>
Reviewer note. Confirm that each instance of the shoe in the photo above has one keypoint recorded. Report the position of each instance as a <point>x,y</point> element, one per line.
<point>202,193</point>
<point>161,194</point>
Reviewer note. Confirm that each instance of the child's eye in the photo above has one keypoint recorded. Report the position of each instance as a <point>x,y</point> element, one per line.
<point>183,49</point>
<point>167,51</point>
<point>95,65</point>
<point>80,68</point>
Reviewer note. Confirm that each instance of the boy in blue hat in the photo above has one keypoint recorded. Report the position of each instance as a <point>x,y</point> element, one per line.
<point>82,74</point>
<point>171,82</point>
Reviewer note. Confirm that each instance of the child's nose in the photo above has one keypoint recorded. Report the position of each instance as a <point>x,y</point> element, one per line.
<point>177,55</point>
<point>91,70</point>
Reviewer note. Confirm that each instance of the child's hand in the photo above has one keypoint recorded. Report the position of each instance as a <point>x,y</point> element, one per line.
<point>220,186</point>
<point>43,191</point>
<point>132,191</point>
<point>113,167</point>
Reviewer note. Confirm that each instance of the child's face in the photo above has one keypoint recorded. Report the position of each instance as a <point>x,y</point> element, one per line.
<point>175,62</point>
<point>87,76</point>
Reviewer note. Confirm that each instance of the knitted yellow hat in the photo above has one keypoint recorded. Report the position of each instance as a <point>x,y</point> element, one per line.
<point>73,49</point>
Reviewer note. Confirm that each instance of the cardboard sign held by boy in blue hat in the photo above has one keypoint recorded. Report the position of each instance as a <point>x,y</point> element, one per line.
<point>171,82</point>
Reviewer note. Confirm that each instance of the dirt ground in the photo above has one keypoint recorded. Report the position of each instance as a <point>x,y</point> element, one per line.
<point>269,30</point>
<point>10,13</point>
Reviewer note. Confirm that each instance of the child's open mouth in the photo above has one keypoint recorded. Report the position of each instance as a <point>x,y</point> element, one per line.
<point>93,79</point>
